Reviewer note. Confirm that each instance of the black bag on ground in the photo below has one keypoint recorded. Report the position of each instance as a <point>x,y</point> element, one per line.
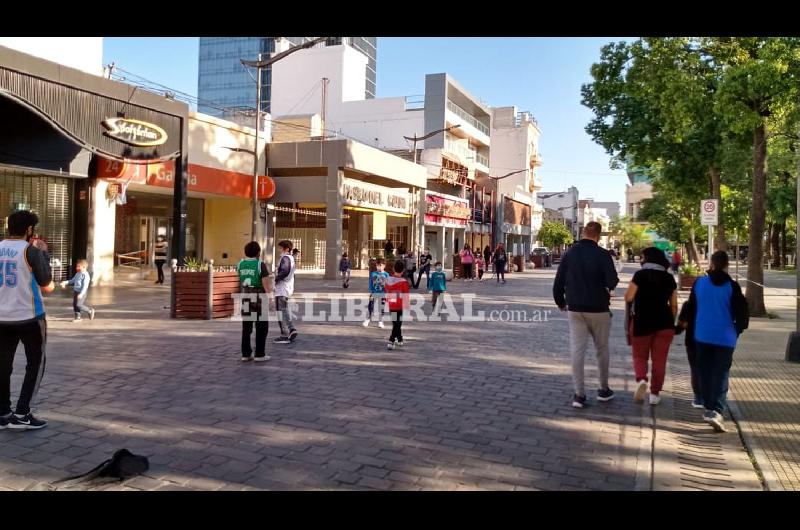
<point>122,465</point>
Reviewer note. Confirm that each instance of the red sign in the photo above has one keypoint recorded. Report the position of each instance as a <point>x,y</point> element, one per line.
<point>266,187</point>
<point>201,178</point>
<point>441,211</point>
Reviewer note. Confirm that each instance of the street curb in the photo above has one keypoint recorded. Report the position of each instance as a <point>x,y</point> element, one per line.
<point>771,482</point>
<point>644,461</point>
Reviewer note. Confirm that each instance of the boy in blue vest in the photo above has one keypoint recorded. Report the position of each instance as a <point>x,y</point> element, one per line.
<point>377,291</point>
<point>253,278</point>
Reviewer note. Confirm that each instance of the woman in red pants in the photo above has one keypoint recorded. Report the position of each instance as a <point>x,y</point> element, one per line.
<point>654,295</point>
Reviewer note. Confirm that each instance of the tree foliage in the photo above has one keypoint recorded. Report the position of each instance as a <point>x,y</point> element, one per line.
<point>553,234</point>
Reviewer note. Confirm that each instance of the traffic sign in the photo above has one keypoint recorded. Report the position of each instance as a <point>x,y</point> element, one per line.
<point>709,212</point>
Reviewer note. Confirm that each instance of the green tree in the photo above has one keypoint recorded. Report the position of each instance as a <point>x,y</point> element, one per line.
<point>553,234</point>
<point>631,234</point>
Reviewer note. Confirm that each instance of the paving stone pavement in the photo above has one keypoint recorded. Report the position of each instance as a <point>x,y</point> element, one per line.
<point>463,405</point>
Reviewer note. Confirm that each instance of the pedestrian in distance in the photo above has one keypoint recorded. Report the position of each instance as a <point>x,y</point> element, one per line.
<point>487,254</point>
<point>467,259</point>
<point>24,275</point>
<point>410,262</point>
<point>438,287</point>
<point>254,282</point>
<point>161,251</point>
<point>630,255</point>
<point>720,314</point>
<point>377,292</point>
<point>284,288</point>
<point>500,260</point>
<point>425,260</point>
<point>481,265</point>
<point>80,286</point>
<point>676,261</point>
<point>654,295</point>
<point>398,301</point>
<point>585,281</point>
<point>344,270</point>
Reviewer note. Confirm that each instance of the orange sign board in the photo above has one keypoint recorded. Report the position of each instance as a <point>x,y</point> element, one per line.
<point>201,178</point>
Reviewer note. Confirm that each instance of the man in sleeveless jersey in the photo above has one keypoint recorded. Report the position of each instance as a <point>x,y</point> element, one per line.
<point>24,275</point>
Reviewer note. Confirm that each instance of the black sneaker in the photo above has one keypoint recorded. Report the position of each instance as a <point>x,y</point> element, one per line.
<point>26,422</point>
<point>292,336</point>
<point>578,401</point>
<point>605,394</point>
<point>4,421</point>
<point>281,340</point>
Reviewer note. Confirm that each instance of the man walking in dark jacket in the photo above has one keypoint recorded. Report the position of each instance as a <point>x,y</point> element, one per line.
<point>587,277</point>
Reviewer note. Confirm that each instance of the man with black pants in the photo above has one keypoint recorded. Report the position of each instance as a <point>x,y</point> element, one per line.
<point>424,267</point>
<point>24,275</point>
<point>584,282</point>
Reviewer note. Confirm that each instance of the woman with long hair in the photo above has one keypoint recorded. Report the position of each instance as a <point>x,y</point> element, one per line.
<point>500,259</point>
<point>654,295</point>
<point>720,314</point>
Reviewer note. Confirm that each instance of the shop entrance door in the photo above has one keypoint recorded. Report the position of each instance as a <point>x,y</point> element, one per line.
<point>149,229</point>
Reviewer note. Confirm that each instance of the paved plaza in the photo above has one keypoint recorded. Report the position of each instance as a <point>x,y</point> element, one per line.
<point>462,406</point>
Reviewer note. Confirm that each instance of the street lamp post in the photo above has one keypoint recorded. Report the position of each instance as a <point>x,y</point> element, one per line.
<point>419,232</point>
<point>258,65</point>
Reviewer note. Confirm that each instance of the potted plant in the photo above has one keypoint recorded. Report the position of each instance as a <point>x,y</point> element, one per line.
<point>688,274</point>
<point>202,290</point>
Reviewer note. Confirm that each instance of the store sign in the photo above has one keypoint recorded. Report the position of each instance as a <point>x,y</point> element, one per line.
<point>450,176</point>
<point>364,195</point>
<point>442,211</point>
<point>134,132</point>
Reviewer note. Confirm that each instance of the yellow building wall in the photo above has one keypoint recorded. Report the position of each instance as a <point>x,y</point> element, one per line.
<point>226,230</point>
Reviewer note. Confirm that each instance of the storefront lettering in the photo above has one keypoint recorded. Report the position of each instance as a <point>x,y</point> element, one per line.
<point>359,195</point>
<point>134,132</point>
<point>446,208</point>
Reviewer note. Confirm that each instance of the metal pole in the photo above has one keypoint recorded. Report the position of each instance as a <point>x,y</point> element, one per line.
<point>710,242</point>
<point>254,230</point>
<point>737,255</point>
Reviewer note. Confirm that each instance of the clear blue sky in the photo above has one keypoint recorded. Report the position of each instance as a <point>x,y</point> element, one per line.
<point>541,75</point>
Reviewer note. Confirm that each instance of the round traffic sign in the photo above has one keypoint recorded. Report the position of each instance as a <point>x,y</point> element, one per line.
<point>709,206</point>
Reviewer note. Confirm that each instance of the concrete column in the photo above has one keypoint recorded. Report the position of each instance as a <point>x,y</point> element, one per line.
<point>100,243</point>
<point>421,209</point>
<point>363,235</point>
<point>333,223</point>
<point>268,237</point>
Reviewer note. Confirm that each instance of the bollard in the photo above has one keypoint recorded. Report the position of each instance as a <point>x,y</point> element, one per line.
<point>173,265</point>
<point>210,299</point>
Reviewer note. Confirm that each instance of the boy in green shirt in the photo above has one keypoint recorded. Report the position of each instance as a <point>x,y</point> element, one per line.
<point>253,278</point>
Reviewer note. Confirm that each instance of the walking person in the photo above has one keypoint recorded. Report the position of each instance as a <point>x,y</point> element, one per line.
<point>676,261</point>
<point>377,292</point>
<point>397,300</point>
<point>344,269</point>
<point>253,278</point>
<point>425,260</point>
<point>438,286</point>
<point>500,259</point>
<point>487,254</point>
<point>467,259</point>
<point>410,262</point>
<point>686,323</point>
<point>654,295</point>
<point>481,265</point>
<point>80,285</point>
<point>584,282</point>
<point>161,252</point>
<point>284,288</point>
<point>720,314</point>
<point>24,275</point>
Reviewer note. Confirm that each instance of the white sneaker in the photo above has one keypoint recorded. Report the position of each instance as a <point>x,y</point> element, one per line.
<point>399,344</point>
<point>381,324</point>
<point>365,323</point>
<point>390,346</point>
<point>261,359</point>
<point>641,390</point>
<point>91,314</point>
<point>697,405</point>
<point>655,399</point>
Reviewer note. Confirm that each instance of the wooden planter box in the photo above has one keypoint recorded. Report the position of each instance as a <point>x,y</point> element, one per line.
<point>192,299</point>
<point>686,282</point>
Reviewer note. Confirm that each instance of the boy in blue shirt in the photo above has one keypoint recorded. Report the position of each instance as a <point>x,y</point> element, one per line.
<point>438,285</point>
<point>377,291</point>
<point>80,285</point>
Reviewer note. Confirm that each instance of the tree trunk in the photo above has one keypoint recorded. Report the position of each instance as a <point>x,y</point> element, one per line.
<point>776,245</point>
<point>768,247</point>
<point>692,248</point>
<point>755,256</point>
<point>784,250</point>
<point>721,242</point>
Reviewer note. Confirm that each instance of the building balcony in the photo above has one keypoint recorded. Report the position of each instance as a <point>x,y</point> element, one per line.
<point>470,127</point>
